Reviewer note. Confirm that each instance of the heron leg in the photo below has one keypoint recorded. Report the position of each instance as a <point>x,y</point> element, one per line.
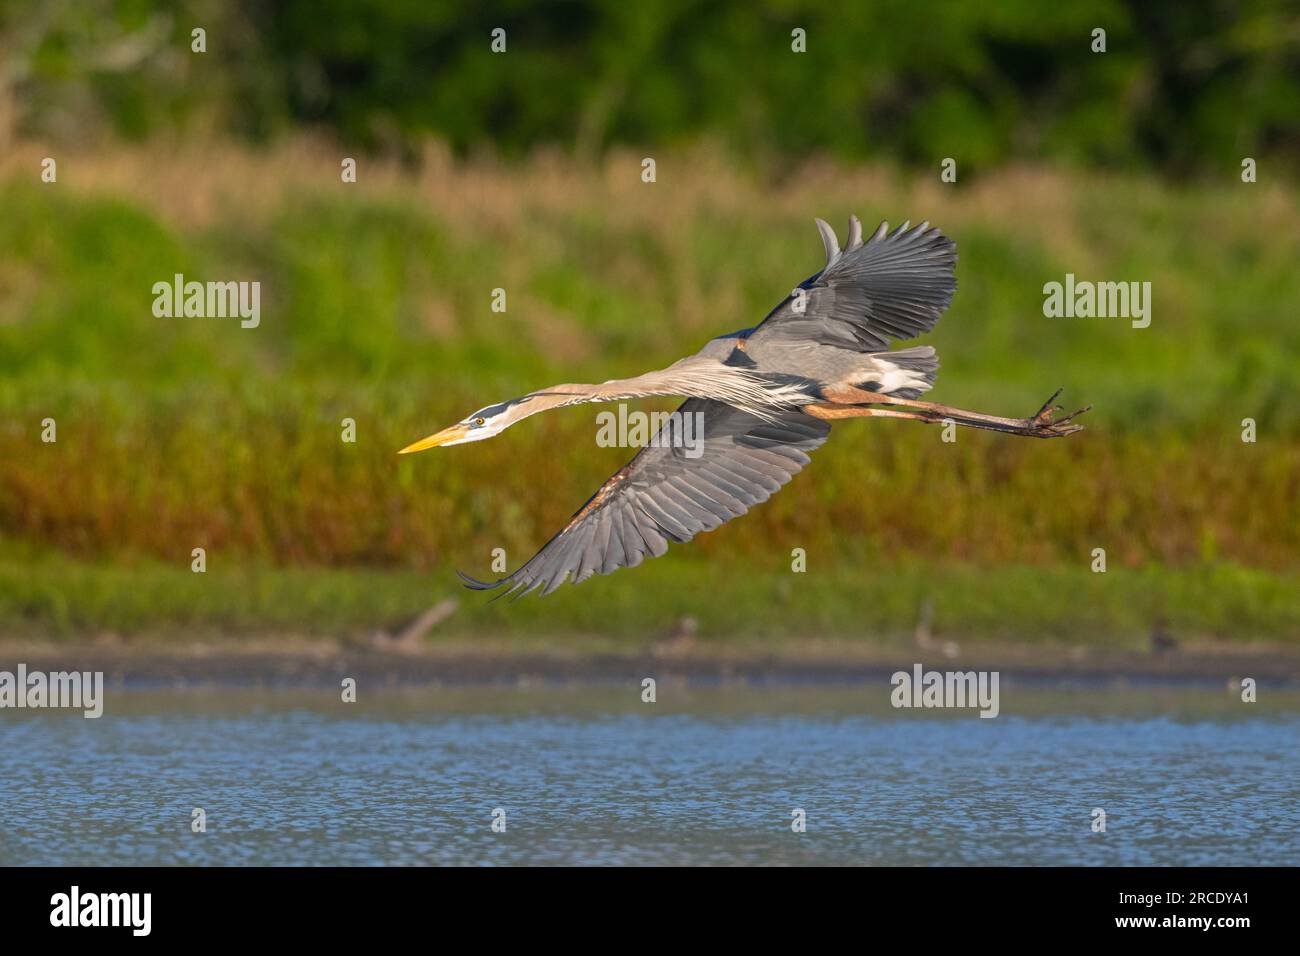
<point>1042,424</point>
<point>1032,428</point>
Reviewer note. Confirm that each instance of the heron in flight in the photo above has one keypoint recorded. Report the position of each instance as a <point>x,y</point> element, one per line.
<point>766,396</point>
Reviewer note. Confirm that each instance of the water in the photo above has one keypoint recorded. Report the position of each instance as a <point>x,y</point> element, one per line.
<point>705,775</point>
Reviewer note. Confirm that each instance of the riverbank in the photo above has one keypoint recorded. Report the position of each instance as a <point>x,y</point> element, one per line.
<point>299,661</point>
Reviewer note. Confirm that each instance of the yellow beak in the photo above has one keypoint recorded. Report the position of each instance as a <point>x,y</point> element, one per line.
<point>433,441</point>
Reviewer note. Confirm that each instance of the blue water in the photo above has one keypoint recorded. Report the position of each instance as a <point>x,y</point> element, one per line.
<point>595,776</point>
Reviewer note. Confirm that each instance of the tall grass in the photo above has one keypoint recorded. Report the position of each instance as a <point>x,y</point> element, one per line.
<point>179,433</point>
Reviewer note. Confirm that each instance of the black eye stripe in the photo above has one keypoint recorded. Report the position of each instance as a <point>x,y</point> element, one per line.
<point>489,411</point>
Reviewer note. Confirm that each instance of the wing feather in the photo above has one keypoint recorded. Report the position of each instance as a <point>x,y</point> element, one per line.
<point>893,286</point>
<point>663,495</point>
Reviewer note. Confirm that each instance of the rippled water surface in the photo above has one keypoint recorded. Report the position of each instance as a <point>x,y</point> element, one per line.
<point>705,775</point>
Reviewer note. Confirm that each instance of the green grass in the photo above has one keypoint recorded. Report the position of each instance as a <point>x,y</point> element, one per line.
<point>52,595</point>
<point>179,433</point>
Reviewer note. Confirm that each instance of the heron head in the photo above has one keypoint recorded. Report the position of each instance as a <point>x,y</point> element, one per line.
<point>475,426</point>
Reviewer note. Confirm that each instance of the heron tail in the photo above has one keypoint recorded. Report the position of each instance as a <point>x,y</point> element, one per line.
<point>906,373</point>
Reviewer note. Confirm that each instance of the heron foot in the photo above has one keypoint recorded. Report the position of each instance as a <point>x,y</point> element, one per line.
<point>1044,424</point>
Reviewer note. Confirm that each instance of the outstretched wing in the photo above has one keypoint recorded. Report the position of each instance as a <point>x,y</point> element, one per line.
<point>664,494</point>
<point>893,286</point>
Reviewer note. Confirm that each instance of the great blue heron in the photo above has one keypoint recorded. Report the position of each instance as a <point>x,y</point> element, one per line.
<point>766,395</point>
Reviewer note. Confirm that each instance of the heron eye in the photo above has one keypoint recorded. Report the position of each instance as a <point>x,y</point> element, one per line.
<point>480,421</point>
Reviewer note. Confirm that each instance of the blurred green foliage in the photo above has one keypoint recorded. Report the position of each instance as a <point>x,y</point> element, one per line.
<point>1182,85</point>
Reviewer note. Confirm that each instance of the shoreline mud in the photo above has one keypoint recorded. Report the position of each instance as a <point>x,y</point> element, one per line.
<point>307,662</point>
